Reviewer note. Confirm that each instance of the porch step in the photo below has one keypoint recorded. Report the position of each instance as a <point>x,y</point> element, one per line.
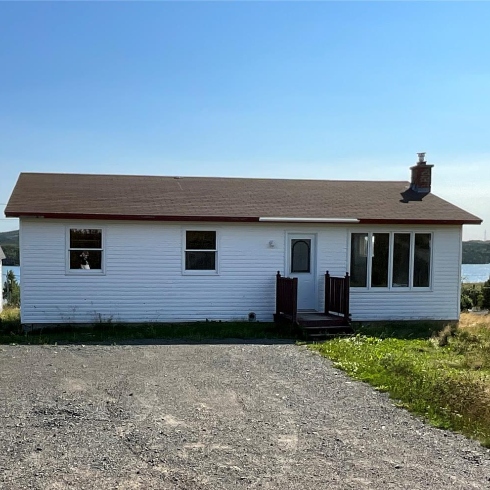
<point>322,332</point>
<point>319,326</point>
<point>325,322</point>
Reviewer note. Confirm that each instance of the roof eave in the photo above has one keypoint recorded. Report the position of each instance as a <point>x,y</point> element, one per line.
<point>411,221</point>
<point>250,219</point>
<point>129,217</point>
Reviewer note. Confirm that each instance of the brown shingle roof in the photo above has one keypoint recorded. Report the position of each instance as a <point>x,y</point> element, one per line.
<point>228,199</point>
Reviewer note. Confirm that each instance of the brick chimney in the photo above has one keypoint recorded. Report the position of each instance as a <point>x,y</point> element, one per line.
<point>421,175</point>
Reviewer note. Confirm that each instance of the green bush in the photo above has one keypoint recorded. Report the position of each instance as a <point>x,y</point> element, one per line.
<point>486,294</point>
<point>471,295</point>
<point>466,302</point>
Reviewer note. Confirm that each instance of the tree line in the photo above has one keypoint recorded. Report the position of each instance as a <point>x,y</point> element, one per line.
<point>476,252</point>
<point>9,241</point>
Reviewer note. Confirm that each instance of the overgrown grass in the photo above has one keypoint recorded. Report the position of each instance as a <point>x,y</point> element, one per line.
<point>443,376</point>
<point>9,320</point>
<point>10,331</point>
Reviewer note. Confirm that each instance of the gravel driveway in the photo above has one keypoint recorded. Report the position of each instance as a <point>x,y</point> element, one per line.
<point>212,416</point>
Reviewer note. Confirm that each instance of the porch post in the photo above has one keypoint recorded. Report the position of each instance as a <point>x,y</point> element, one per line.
<point>327,292</point>
<point>278,293</point>
<point>294,300</point>
<point>347,293</point>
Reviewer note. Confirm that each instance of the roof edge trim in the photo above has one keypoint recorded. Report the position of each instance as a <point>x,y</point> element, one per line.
<point>129,217</point>
<point>238,219</point>
<point>475,221</point>
<point>309,220</point>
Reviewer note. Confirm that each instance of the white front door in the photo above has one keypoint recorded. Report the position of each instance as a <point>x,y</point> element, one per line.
<point>302,264</point>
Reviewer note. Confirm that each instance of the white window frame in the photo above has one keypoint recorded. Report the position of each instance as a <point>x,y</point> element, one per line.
<point>390,287</point>
<point>84,272</point>
<point>192,272</point>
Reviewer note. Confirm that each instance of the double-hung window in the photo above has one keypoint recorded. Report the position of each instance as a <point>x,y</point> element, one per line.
<point>390,260</point>
<point>85,249</point>
<point>200,253</point>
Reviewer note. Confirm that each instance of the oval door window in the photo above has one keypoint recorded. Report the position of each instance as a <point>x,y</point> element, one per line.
<point>300,255</point>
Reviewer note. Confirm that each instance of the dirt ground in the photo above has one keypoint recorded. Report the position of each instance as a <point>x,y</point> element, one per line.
<point>212,416</point>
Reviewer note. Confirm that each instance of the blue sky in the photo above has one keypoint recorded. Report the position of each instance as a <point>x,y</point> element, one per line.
<point>308,90</point>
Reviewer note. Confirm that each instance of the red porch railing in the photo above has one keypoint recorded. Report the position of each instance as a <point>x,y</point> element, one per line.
<point>286,296</point>
<point>337,295</point>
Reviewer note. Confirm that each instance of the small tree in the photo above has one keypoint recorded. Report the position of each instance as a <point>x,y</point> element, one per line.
<point>11,289</point>
<point>486,294</point>
<point>476,294</point>
<point>466,302</point>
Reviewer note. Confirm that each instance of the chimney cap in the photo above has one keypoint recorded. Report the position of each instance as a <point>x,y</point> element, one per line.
<point>421,157</point>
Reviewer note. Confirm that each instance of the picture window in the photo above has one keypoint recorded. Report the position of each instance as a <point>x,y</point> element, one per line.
<point>391,260</point>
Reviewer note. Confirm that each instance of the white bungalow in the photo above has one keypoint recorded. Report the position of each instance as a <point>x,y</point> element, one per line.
<point>162,249</point>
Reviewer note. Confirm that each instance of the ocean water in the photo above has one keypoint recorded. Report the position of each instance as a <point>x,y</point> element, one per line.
<point>475,272</point>
<point>469,272</point>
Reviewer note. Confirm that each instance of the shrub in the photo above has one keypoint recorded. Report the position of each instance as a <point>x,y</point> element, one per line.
<point>466,302</point>
<point>471,295</point>
<point>444,335</point>
<point>486,294</point>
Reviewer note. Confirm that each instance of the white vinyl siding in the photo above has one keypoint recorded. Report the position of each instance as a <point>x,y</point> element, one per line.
<point>143,280</point>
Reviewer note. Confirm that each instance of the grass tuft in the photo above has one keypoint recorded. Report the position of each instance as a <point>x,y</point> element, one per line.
<point>10,320</point>
<point>442,338</point>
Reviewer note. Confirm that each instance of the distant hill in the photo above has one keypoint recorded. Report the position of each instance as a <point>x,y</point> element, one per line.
<point>9,241</point>
<point>9,237</point>
<point>474,251</point>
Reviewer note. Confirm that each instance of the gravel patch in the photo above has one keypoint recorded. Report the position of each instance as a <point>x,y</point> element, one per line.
<point>212,416</point>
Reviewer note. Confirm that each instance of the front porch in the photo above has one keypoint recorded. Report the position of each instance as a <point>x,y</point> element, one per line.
<point>315,325</point>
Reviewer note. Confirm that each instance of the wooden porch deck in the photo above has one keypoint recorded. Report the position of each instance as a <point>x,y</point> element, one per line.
<point>315,325</point>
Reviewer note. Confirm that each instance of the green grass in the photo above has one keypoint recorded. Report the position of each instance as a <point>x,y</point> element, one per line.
<point>443,376</point>
<point>9,320</point>
<point>401,330</point>
<point>10,331</point>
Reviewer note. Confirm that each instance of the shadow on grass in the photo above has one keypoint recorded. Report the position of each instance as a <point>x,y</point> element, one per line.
<point>401,329</point>
<point>154,334</point>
